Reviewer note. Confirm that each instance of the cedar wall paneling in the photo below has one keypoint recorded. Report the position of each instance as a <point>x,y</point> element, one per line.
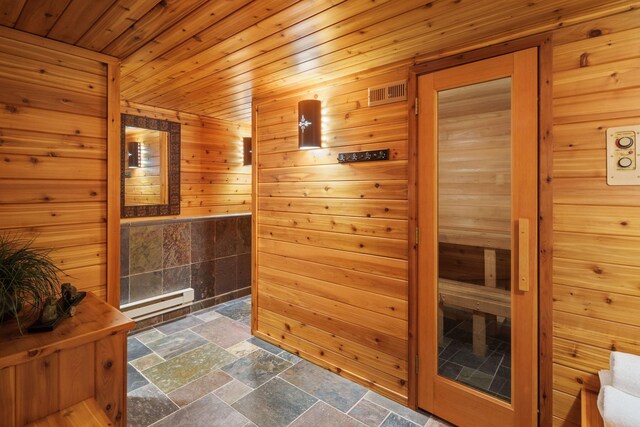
<point>213,180</point>
<point>596,269</point>
<point>53,146</point>
<point>332,238</point>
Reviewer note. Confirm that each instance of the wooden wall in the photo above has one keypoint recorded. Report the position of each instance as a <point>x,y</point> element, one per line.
<point>53,147</point>
<point>213,178</point>
<point>596,269</point>
<point>332,238</point>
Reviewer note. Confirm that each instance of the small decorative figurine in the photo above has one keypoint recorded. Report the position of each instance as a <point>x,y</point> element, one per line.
<point>69,293</point>
<point>49,311</point>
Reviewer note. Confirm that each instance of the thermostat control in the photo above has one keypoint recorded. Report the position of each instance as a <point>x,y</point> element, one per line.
<point>622,156</point>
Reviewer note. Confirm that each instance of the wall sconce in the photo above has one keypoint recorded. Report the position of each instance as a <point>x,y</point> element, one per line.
<point>134,152</point>
<point>309,124</point>
<point>246,150</point>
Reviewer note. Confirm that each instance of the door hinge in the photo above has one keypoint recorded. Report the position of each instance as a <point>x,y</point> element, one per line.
<point>417,363</point>
<point>416,108</point>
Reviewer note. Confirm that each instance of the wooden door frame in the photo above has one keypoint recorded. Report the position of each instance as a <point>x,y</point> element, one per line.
<point>545,205</point>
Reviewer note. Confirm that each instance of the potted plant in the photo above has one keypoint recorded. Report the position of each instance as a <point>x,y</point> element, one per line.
<point>28,277</point>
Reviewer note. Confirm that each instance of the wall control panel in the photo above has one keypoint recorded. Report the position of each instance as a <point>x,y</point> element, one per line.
<point>623,159</point>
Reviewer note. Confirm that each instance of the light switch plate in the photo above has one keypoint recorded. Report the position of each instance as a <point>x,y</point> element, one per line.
<point>623,159</point>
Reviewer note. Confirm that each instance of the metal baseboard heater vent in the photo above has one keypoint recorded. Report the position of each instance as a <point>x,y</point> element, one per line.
<point>143,309</point>
<point>386,94</point>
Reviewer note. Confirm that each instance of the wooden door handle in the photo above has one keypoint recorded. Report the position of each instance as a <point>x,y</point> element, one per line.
<point>523,254</point>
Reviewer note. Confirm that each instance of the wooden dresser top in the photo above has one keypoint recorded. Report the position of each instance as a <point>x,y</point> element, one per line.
<point>94,319</point>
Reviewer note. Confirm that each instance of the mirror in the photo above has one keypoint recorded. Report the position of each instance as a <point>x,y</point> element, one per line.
<point>150,167</point>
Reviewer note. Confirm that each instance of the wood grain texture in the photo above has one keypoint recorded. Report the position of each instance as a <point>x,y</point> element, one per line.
<point>85,357</point>
<point>84,414</point>
<point>595,290</point>
<point>331,239</point>
<point>171,48</point>
<point>53,127</point>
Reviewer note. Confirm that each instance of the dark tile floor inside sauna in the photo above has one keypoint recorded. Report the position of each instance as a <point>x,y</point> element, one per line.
<point>491,373</point>
<point>207,370</point>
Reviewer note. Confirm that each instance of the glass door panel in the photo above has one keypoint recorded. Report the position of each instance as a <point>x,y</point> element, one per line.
<point>474,236</point>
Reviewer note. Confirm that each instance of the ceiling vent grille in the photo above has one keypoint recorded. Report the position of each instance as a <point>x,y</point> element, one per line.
<point>388,93</point>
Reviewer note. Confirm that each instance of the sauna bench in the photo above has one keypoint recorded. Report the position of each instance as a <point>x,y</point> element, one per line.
<point>481,300</point>
<point>83,358</point>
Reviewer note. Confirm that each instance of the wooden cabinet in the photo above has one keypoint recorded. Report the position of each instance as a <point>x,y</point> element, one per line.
<point>84,357</point>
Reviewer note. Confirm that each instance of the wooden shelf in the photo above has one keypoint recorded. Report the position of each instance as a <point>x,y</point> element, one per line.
<point>84,414</point>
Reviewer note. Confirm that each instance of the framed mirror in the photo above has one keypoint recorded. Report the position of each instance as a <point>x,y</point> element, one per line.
<point>150,167</point>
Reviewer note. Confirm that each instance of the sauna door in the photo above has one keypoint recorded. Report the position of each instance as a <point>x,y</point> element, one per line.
<point>477,217</point>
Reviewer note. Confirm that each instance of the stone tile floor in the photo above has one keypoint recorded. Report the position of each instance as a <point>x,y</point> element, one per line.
<point>207,370</point>
<point>456,360</point>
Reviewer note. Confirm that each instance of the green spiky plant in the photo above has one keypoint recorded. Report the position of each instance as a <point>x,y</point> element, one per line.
<point>28,277</point>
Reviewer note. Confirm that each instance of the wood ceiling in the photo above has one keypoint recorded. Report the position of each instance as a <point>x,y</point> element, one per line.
<point>211,57</point>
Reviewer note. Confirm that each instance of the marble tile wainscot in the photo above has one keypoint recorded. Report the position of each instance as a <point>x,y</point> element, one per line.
<point>212,255</point>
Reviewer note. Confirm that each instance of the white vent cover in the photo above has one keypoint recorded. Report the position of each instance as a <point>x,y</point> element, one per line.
<point>391,92</point>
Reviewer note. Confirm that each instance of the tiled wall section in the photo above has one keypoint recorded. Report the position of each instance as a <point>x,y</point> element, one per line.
<point>210,255</point>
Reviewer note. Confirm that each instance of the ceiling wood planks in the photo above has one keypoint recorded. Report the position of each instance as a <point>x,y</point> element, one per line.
<point>211,57</point>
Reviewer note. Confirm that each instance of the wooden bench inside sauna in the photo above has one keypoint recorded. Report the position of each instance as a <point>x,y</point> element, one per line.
<point>487,301</point>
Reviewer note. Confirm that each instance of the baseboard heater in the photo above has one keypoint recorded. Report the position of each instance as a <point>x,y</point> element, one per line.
<point>143,309</point>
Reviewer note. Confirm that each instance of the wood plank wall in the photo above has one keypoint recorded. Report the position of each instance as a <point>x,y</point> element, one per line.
<point>596,270</point>
<point>332,238</point>
<point>53,146</point>
<point>213,178</point>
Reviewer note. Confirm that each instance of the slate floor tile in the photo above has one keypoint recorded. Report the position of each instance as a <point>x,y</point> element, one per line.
<point>179,325</point>
<point>490,366</point>
<point>223,332</point>
<point>323,384</point>
<point>232,391</point>
<point>290,357</point>
<point>290,401</point>
<point>135,380</point>
<point>434,422</point>
<point>147,405</point>
<point>449,369</point>
<point>148,336</point>
<point>135,349</point>
<point>242,349</point>
<point>198,388</point>
<point>208,411</point>
<point>322,414</point>
<point>145,362</point>
<point>468,359</point>
<point>389,404</point>
<point>256,368</point>
<point>238,311</point>
<point>394,420</point>
<point>265,345</point>
<point>207,316</point>
<point>475,378</point>
<point>369,413</point>
<point>174,345</point>
<point>187,367</point>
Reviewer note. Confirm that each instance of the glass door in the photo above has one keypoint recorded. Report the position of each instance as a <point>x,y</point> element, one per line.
<point>477,255</point>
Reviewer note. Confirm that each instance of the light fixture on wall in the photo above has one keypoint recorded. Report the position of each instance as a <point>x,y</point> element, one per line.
<point>309,124</point>
<point>134,149</point>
